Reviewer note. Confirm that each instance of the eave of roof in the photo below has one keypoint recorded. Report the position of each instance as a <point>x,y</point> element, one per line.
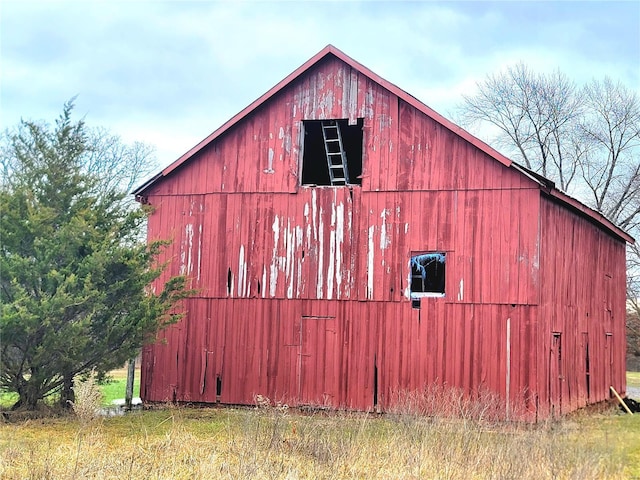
<point>546,184</point>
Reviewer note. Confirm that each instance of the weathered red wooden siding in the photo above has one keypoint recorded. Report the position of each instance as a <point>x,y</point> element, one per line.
<point>335,353</point>
<point>583,300</point>
<point>302,291</point>
<point>280,273</point>
<point>337,243</point>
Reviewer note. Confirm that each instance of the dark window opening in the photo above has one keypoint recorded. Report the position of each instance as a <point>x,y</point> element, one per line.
<point>324,142</point>
<point>428,274</point>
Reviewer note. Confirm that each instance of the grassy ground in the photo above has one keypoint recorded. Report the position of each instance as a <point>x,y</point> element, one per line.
<point>117,386</point>
<point>277,443</point>
<point>273,442</point>
<point>633,379</point>
<point>114,388</point>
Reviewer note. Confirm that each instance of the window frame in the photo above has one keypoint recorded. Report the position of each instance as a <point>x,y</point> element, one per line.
<point>439,293</point>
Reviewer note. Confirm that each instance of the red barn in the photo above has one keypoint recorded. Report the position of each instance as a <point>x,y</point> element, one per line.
<point>348,243</point>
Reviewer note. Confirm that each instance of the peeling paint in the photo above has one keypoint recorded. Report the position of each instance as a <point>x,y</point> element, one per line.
<point>290,268</point>
<point>299,241</point>
<point>273,279</point>
<point>199,253</point>
<point>385,241</point>
<point>242,273</point>
<point>339,241</point>
<point>461,290</point>
<point>314,210</point>
<point>320,244</point>
<point>269,168</point>
<point>370,259</point>
<point>186,249</point>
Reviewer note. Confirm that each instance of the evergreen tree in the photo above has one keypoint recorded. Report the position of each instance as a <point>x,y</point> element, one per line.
<point>75,274</point>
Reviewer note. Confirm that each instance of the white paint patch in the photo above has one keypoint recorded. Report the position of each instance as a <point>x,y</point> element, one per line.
<point>320,244</point>
<point>242,273</point>
<point>299,238</point>
<point>290,263</point>
<point>370,258</point>
<point>314,215</point>
<point>406,228</point>
<point>264,281</point>
<point>461,290</point>
<point>199,250</point>
<point>273,279</point>
<point>339,242</point>
<point>330,268</point>
<point>407,291</point>
<point>385,240</point>
<point>185,253</point>
<point>332,252</point>
<point>306,219</point>
<point>269,168</point>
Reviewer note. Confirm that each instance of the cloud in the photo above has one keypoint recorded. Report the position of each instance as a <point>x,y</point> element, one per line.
<point>169,73</point>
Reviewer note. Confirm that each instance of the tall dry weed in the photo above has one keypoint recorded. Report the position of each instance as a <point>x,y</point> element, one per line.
<point>88,399</point>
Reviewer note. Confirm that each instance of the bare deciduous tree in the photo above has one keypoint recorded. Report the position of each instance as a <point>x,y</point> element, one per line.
<point>537,117</point>
<point>115,164</point>
<point>585,139</point>
<point>611,166</point>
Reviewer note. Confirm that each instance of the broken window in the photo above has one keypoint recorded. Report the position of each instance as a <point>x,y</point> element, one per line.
<point>427,274</point>
<point>332,153</point>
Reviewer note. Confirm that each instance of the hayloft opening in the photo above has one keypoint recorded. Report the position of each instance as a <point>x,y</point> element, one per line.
<point>427,274</point>
<point>332,153</point>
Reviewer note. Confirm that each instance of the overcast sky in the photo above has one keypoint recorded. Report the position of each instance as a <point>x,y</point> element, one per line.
<point>169,73</point>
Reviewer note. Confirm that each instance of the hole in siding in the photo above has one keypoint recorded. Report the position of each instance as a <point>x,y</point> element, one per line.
<point>259,287</point>
<point>375,382</point>
<point>218,385</point>
<point>415,303</point>
<point>229,278</point>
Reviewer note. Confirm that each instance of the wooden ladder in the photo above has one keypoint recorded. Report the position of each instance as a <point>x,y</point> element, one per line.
<point>336,156</point>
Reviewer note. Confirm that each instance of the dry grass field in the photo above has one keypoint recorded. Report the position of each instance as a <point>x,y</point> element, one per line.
<point>274,442</point>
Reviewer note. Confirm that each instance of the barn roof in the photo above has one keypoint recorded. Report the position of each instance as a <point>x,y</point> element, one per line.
<point>546,185</point>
